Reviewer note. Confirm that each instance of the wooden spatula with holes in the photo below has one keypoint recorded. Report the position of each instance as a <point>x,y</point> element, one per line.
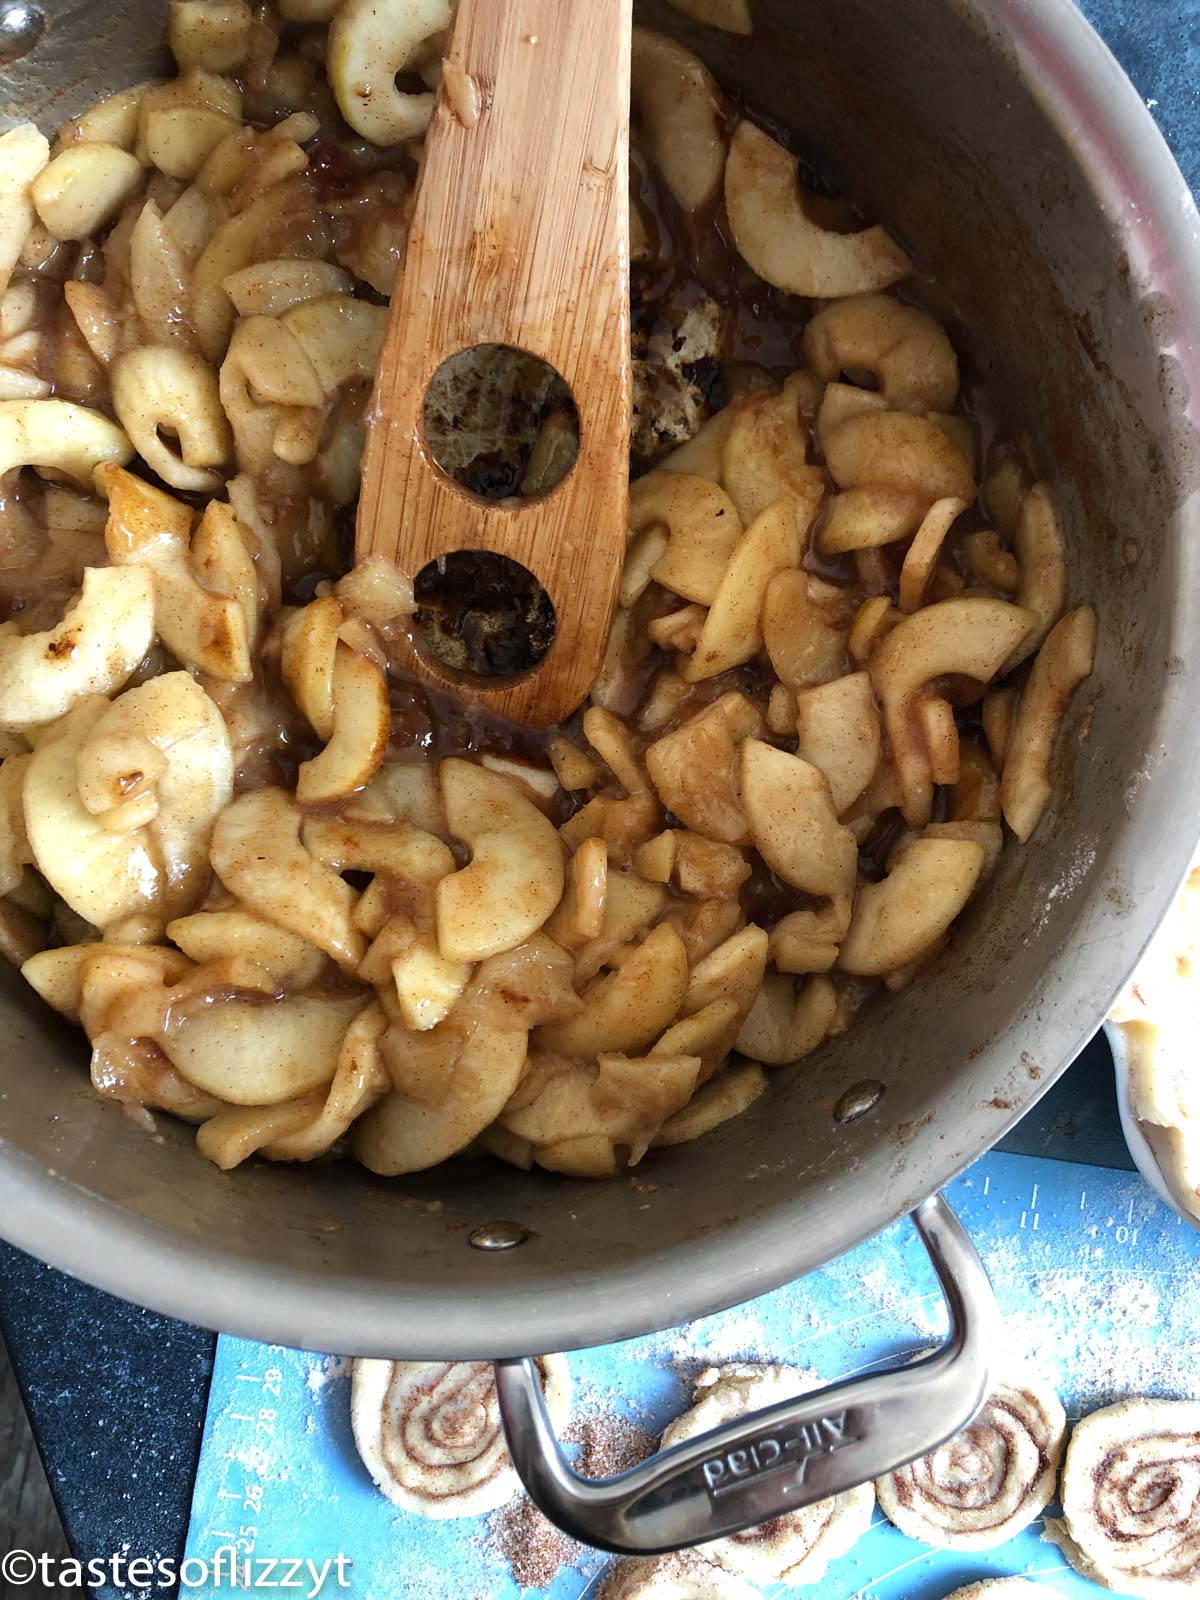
<point>519,237</point>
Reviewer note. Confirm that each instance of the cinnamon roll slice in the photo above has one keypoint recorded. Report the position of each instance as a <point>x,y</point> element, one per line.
<point>429,1432</point>
<point>1131,1498</point>
<point>987,1482</point>
<point>682,1576</point>
<point>798,1547</point>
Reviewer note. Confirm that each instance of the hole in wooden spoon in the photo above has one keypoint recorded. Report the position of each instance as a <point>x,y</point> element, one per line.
<point>501,422</point>
<point>482,614</point>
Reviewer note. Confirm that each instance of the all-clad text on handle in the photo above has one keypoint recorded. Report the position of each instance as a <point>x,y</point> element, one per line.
<point>784,1457</point>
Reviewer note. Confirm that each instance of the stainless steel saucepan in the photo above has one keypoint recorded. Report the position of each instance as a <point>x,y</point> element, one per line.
<point>1003,142</point>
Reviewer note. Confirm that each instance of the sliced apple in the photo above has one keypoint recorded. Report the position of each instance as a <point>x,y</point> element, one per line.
<point>701,455</point>
<point>258,856</point>
<point>427,985</point>
<point>631,906</point>
<point>732,631</point>
<point>361,723</point>
<point>627,1009</point>
<point>765,459</point>
<point>708,1033</point>
<point>358,1083</point>
<point>57,974</point>
<point>105,873</point>
<point>681,116</point>
<point>988,834</point>
<point>340,335</point>
<point>970,637</point>
<point>839,403</point>
<point>405,791</point>
<point>706,868</point>
<point>775,235</point>
<point>1042,563</point>
<point>612,742</point>
<point>787,1023</point>
<point>805,647</point>
<point>793,822</point>
<point>251,1053</point>
<point>621,1100</point>
<point>580,913</point>
<point>867,518</point>
<point>839,732</point>
<point>733,971</point>
<point>1062,664</point>
<point>703,525</point>
<point>903,349</point>
<point>807,940</point>
<point>900,919</point>
<point>395,850</point>
<point>400,1135</point>
<point>151,531</point>
<point>370,46</point>
<point>704,924</point>
<point>999,711</point>
<point>15,854</point>
<point>209,936</point>
<point>694,768</point>
<point>726,1097</point>
<point>922,556</point>
<point>93,650</point>
<point>896,450</point>
<point>515,877</point>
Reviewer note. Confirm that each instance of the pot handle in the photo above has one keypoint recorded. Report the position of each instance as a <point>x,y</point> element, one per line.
<point>777,1460</point>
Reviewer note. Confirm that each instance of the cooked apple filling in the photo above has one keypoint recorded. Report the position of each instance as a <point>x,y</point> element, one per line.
<point>303,902</point>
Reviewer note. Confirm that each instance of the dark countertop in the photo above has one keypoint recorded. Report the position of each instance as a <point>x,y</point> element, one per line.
<point>116,1395</point>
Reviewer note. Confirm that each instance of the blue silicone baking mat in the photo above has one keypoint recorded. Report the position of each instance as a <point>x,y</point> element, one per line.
<point>1099,1284</point>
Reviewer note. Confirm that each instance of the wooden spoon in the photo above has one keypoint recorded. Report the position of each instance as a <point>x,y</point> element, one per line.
<point>519,236</point>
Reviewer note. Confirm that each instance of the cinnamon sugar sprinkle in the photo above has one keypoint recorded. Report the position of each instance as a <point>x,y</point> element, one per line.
<point>534,1550</point>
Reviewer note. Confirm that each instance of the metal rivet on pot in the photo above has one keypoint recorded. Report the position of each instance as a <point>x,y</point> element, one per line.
<point>499,1235</point>
<point>21,27</point>
<point>858,1099</point>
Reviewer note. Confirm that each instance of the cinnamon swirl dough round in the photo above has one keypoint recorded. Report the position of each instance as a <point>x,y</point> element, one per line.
<point>1131,1498</point>
<point>987,1482</point>
<point>429,1432</point>
<point>681,1576</point>
<point>798,1547</point>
